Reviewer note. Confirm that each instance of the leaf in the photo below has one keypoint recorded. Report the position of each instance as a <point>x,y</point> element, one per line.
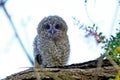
<point>117,50</point>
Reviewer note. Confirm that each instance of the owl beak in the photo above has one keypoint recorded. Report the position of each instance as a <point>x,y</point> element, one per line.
<point>52,31</point>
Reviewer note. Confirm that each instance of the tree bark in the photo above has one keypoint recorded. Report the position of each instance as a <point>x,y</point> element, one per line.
<point>82,71</point>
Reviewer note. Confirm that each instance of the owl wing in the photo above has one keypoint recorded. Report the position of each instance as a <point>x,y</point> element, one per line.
<point>37,55</point>
<point>38,59</point>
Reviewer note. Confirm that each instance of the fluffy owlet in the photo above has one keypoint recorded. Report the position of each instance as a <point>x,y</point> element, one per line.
<point>51,45</point>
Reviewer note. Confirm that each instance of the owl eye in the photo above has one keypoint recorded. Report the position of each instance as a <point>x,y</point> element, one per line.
<point>57,26</point>
<point>47,27</point>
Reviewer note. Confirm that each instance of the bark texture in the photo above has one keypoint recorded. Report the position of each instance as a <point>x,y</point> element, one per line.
<point>81,71</point>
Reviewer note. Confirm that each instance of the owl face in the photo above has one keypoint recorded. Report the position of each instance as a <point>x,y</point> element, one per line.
<point>52,28</point>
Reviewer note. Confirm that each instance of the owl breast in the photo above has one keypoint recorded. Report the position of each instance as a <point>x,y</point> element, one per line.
<point>54,53</point>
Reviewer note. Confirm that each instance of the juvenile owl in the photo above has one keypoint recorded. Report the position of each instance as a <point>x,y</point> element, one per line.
<point>51,45</point>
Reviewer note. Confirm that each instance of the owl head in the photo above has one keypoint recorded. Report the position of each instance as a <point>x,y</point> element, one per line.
<point>52,28</point>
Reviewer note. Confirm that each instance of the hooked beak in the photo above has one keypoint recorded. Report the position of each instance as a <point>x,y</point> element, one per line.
<point>52,31</point>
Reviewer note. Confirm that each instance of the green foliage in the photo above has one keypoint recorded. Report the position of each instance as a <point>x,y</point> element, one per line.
<point>111,45</point>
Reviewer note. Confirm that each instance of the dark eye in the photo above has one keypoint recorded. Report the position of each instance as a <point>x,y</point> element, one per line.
<point>57,26</point>
<point>47,27</point>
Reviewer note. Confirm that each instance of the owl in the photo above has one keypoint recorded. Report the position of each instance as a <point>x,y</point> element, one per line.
<point>51,45</point>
